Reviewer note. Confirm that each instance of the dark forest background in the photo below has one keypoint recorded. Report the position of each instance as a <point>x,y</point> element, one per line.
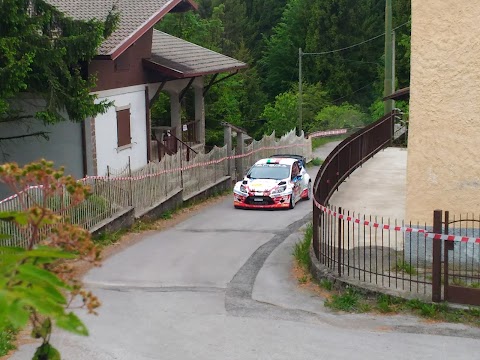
<point>340,88</point>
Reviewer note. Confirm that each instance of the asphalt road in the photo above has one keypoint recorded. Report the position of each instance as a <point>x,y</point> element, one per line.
<point>219,286</point>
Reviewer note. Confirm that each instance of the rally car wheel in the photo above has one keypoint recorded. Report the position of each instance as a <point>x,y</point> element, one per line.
<point>292,202</point>
<point>309,193</point>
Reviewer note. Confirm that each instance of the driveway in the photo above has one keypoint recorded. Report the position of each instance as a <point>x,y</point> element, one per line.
<point>220,286</point>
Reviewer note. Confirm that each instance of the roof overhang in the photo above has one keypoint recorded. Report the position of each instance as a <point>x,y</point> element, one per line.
<point>174,6</point>
<point>402,94</point>
<point>176,58</point>
<point>176,73</point>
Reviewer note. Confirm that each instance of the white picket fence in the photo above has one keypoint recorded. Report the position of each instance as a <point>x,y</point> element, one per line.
<point>142,189</point>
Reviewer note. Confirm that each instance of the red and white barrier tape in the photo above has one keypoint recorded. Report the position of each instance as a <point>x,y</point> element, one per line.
<point>327,133</point>
<point>21,192</point>
<point>188,167</point>
<point>357,220</point>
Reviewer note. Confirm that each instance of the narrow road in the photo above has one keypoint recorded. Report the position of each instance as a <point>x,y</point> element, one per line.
<point>220,286</point>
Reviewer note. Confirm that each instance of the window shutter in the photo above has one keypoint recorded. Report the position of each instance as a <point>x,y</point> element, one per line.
<point>123,127</point>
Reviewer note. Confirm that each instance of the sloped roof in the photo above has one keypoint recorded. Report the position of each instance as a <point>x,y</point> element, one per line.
<point>136,17</point>
<point>401,94</point>
<point>181,59</point>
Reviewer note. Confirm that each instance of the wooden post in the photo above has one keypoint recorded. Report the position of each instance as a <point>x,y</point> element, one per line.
<point>240,151</point>
<point>227,140</point>
<point>437,258</point>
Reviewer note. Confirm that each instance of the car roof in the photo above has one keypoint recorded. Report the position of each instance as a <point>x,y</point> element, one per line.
<point>280,161</point>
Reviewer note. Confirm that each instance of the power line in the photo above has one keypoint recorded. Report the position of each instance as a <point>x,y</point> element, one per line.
<point>354,45</point>
<point>346,96</point>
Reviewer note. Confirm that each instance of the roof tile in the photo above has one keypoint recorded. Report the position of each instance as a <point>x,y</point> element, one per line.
<point>187,58</point>
<point>133,14</point>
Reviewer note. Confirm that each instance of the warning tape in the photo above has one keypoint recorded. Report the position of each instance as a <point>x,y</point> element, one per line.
<point>327,133</point>
<point>357,220</point>
<point>192,166</point>
<point>183,168</point>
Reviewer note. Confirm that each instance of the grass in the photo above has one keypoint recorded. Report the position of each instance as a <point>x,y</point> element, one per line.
<point>301,251</point>
<point>320,141</point>
<point>7,338</point>
<point>407,268</point>
<point>350,299</point>
<point>316,162</point>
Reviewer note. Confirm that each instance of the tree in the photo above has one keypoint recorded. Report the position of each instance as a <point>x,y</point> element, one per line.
<point>282,115</point>
<point>344,116</point>
<point>37,284</point>
<point>45,53</point>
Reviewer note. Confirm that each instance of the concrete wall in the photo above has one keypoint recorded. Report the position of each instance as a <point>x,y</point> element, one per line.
<point>107,152</point>
<point>443,169</point>
<point>64,146</point>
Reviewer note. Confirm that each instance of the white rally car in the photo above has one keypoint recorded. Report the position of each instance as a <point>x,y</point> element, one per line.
<point>272,183</point>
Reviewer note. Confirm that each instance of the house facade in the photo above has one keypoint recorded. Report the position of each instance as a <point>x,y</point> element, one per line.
<point>443,169</point>
<point>132,66</point>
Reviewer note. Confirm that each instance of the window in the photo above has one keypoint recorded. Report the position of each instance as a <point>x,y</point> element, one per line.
<point>123,126</point>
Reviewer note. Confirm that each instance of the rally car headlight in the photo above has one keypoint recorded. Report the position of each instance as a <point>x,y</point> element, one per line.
<point>243,189</point>
<point>279,190</point>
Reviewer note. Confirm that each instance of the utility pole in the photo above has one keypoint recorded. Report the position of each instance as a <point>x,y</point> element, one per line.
<point>300,99</point>
<point>388,84</point>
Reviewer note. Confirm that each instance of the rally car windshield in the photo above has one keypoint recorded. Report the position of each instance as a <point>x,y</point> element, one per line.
<point>276,172</point>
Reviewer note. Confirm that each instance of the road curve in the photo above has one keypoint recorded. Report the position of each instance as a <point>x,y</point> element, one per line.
<point>219,286</point>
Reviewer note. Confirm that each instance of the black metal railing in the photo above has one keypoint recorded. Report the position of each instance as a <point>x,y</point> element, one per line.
<point>376,255</point>
<point>350,154</point>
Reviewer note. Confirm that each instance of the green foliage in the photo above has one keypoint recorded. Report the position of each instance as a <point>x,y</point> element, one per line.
<point>320,141</point>
<point>301,251</point>
<point>36,282</point>
<point>167,215</point>
<point>7,337</point>
<point>104,239</point>
<point>349,300</point>
<point>317,161</point>
<point>339,117</point>
<point>45,54</point>
<point>282,115</point>
<point>27,286</point>
<point>326,284</point>
<point>403,266</point>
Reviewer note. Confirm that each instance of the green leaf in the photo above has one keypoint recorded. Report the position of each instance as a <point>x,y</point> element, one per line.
<point>48,290</point>
<point>39,299</point>
<point>42,274</point>
<point>50,253</point>
<point>17,314</point>
<point>46,352</point>
<point>43,330</point>
<point>72,323</point>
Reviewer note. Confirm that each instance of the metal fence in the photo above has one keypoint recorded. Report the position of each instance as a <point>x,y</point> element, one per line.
<point>369,249</point>
<point>386,252</point>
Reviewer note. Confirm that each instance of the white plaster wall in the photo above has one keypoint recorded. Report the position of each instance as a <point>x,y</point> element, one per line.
<point>443,169</point>
<point>106,130</point>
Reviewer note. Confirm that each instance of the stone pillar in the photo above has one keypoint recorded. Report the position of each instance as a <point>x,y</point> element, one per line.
<point>227,140</point>
<point>199,111</point>
<point>176,114</point>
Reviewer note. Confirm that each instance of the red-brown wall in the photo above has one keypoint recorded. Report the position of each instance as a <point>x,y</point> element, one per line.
<point>127,69</point>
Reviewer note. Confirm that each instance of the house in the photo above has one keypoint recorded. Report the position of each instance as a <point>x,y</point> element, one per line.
<point>443,170</point>
<point>132,67</point>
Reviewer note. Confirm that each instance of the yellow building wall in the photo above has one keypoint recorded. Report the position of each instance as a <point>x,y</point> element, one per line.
<point>443,168</point>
